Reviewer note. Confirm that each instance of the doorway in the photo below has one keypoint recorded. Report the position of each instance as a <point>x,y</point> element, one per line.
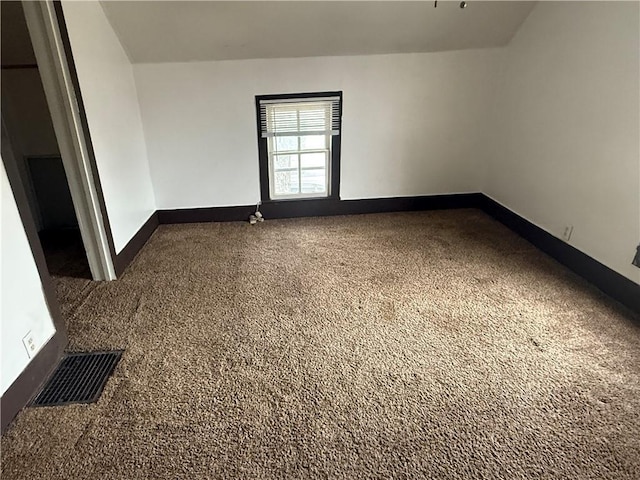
<point>49,141</point>
<point>35,149</point>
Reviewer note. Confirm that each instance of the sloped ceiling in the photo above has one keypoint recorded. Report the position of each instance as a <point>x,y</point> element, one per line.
<point>179,31</point>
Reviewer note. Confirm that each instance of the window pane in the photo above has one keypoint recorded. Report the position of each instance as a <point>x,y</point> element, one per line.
<point>310,160</point>
<point>284,144</point>
<point>285,161</point>
<point>286,183</point>
<point>313,142</point>
<point>314,181</point>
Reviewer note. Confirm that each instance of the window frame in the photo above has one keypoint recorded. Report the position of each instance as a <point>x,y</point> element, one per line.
<point>334,152</point>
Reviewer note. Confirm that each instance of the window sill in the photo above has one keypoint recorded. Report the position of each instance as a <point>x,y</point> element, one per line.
<point>295,200</point>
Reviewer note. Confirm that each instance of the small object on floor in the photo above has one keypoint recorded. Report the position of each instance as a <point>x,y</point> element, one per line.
<point>256,216</point>
<point>79,378</point>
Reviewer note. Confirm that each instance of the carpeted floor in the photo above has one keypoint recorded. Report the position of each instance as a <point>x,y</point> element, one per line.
<point>64,252</point>
<point>408,345</point>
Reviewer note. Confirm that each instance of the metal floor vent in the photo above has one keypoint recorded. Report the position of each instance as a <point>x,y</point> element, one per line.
<point>80,378</point>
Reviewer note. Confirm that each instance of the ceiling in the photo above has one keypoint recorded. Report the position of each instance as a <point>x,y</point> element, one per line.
<point>180,31</point>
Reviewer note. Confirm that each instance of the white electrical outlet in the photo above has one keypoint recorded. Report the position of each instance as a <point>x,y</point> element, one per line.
<point>30,344</point>
<point>566,234</point>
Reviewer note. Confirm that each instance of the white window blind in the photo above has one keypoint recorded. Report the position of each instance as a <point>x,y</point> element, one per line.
<point>316,116</point>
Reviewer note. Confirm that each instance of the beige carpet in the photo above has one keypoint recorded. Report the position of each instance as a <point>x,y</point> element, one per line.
<point>411,345</point>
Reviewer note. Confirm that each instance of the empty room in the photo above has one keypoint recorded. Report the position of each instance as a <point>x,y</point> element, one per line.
<point>306,239</point>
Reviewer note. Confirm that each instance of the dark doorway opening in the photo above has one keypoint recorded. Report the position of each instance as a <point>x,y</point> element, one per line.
<point>28,123</point>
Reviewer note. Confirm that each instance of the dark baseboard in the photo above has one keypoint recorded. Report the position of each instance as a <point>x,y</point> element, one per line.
<point>31,379</point>
<point>207,214</point>
<point>610,282</point>
<point>131,249</point>
<point>320,207</point>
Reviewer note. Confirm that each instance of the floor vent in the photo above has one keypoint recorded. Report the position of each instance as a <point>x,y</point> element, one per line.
<point>80,378</point>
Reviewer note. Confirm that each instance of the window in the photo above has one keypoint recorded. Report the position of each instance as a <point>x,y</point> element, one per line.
<point>299,145</point>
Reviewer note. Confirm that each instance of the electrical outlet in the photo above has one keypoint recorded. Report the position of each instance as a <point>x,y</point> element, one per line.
<point>566,234</point>
<point>29,342</point>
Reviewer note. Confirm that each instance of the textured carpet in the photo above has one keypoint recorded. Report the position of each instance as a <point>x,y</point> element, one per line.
<point>64,252</point>
<point>409,345</point>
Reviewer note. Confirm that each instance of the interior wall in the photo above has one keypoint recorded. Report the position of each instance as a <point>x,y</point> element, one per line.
<point>111,104</point>
<point>412,123</point>
<point>565,148</point>
<point>548,126</point>
<point>28,122</point>
<point>23,96</point>
<point>23,305</point>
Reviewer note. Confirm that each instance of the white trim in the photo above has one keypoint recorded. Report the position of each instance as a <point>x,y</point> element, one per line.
<point>65,114</point>
<point>301,133</point>
<point>300,100</point>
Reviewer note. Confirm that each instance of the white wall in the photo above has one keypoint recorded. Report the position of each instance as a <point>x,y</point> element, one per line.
<point>547,126</point>
<point>565,148</point>
<point>411,122</point>
<point>111,103</point>
<point>22,300</point>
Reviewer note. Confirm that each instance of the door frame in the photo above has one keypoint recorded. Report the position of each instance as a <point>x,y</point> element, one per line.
<point>42,364</point>
<point>50,40</point>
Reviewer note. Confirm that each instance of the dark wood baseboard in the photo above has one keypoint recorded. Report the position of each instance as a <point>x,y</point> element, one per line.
<point>207,214</point>
<point>610,282</point>
<point>131,249</point>
<point>324,207</point>
<point>31,379</point>
<point>320,207</point>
